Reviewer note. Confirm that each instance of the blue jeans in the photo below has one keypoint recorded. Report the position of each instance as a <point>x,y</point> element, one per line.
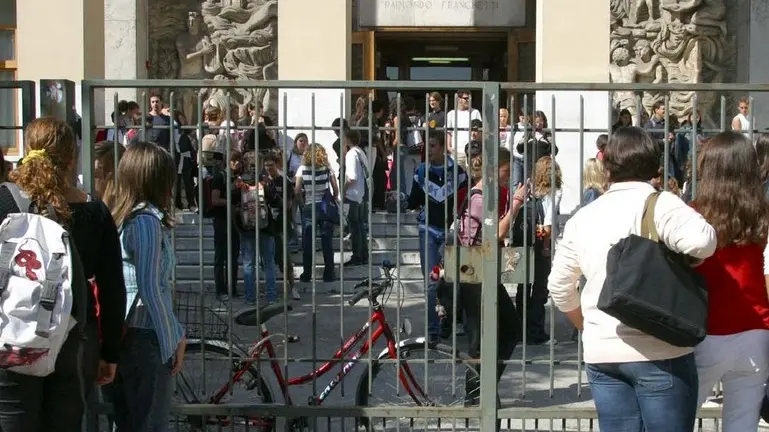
<point>517,177</point>
<point>248,256</point>
<point>326,231</point>
<point>141,392</point>
<point>429,258</point>
<point>645,396</point>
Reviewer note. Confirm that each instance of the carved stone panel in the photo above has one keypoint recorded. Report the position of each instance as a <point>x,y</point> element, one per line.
<point>670,41</point>
<point>216,39</point>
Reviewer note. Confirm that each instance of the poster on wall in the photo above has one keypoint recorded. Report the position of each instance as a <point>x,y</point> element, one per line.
<point>442,13</point>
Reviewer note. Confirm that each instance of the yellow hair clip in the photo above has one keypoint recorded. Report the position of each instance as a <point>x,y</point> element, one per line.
<point>35,154</point>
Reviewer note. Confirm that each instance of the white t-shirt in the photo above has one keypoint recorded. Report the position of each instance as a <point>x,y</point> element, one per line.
<point>547,205</point>
<point>355,169</point>
<point>462,120</point>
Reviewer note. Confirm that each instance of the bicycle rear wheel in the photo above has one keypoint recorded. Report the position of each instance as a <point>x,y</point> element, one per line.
<point>207,368</point>
<point>437,384</point>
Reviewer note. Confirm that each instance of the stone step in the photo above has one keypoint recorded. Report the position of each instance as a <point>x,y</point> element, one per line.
<point>408,217</point>
<point>407,244</point>
<point>377,230</point>
<point>413,272</point>
<point>190,257</point>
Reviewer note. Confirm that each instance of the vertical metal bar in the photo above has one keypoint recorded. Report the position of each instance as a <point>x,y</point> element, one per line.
<point>144,116</point>
<point>86,97</point>
<point>526,249</point>
<point>639,110</point>
<point>752,119</point>
<point>489,301</point>
<point>313,234</point>
<point>201,255</point>
<point>397,163</point>
<point>427,269</point>
<point>286,267</point>
<point>230,258</point>
<point>455,234</point>
<point>553,233</point>
<point>370,237</point>
<point>610,116</point>
<point>173,148</point>
<point>342,159</point>
<point>695,103</point>
<point>723,114</point>
<point>581,204</point>
<point>115,144</point>
<point>666,145</point>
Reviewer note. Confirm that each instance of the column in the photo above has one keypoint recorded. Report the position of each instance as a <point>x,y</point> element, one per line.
<point>573,46</point>
<point>126,39</point>
<point>323,56</point>
<point>758,64</point>
<point>61,39</point>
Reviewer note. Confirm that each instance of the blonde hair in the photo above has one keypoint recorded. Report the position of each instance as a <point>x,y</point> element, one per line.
<point>595,176</point>
<point>542,185</point>
<point>146,174</point>
<point>321,157</point>
<point>49,144</point>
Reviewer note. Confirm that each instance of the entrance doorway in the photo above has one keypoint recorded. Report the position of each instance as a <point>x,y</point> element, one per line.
<point>441,57</point>
<point>446,54</point>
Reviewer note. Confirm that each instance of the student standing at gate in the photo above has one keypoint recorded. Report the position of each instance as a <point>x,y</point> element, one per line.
<point>458,126</point>
<point>638,382</point>
<point>355,192</point>
<point>56,402</point>
<point>219,211</point>
<point>433,191</point>
<point>736,351</point>
<point>154,344</point>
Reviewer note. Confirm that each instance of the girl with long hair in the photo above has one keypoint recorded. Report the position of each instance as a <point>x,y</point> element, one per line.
<point>56,402</point>
<point>153,346</point>
<point>104,166</point>
<point>594,181</point>
<point>313,179</point>
<point>470,223</point>
<point>736,351</point>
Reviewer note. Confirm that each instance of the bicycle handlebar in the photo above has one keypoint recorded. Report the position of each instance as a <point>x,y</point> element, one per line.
<point>377,289</point>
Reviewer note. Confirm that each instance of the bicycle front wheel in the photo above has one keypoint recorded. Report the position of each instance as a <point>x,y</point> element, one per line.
<point>205,379</point>
<point>442,380</point>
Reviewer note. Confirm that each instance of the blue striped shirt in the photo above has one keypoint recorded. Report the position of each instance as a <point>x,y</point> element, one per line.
<point>148,259</point>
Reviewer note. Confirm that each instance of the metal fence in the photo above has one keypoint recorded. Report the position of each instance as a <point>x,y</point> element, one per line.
<point>252,379</point>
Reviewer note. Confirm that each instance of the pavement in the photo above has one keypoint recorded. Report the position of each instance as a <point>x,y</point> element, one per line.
<point>549,378</point>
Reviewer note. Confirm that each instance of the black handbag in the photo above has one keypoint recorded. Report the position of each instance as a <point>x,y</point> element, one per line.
<point>653,289</point>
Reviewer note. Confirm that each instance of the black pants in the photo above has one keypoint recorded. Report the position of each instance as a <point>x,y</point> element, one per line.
<point>508,336</point>
<point>220,256</point>
<point>52,403</point>
<point>536,294</point>
<point>379,180</point>
<point>186,179</point>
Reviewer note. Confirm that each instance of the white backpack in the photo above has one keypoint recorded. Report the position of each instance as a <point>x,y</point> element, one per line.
<point>36,289</point>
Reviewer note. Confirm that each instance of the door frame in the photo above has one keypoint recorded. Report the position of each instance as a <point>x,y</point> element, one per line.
<point>515,38</point>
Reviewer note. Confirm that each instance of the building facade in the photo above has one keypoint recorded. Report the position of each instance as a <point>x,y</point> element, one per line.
<point>590,41</point>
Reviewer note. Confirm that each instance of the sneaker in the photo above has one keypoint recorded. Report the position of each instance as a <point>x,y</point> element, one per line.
<point>353,262</point>
<point>295,294</point>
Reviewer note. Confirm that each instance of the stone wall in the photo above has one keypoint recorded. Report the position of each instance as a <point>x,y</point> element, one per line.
<point>215,39</point>
<point>661,41</point>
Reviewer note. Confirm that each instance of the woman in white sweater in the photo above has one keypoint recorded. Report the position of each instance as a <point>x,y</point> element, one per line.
<point>638,382</point>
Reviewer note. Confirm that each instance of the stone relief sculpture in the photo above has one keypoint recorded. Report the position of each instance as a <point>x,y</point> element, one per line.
<point>684,41</point>
<point>216,39</point>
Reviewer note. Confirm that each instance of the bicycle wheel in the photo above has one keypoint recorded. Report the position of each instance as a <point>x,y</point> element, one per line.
<point>440,386</point>
<point>203,377</point>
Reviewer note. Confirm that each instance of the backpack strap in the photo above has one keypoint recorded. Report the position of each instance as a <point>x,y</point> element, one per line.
<point>25,204</point>
<point>48,296</point>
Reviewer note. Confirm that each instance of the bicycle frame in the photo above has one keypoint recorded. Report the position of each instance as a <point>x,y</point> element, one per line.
<point>382,329</point>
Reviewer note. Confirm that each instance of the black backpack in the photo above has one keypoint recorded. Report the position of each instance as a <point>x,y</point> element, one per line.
<point>535,213</point>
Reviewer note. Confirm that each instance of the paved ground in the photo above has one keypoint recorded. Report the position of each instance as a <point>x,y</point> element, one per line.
<point>539,383</point>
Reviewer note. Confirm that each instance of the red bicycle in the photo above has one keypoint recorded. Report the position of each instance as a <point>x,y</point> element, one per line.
<point>244,379</point>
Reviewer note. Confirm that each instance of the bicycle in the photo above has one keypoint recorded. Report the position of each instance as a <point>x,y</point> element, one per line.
<point>244,365</point>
